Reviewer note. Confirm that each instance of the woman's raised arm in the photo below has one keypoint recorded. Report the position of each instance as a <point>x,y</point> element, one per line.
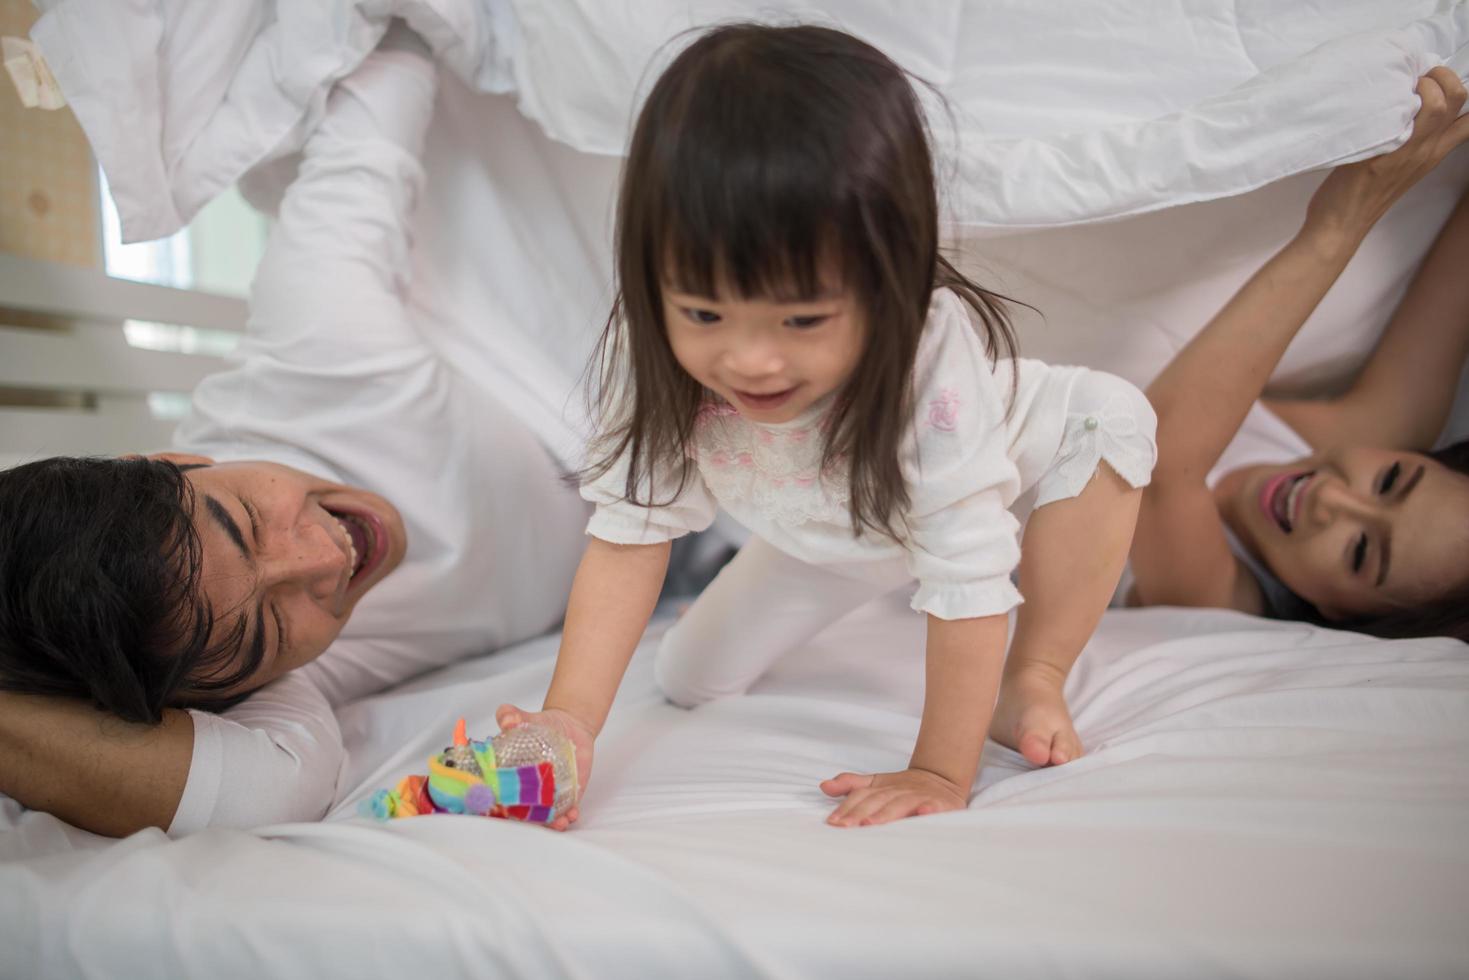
<point>1403,395</point>
<point>1180,554</point>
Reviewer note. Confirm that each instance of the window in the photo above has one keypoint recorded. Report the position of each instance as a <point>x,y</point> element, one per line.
<point>216,253</point>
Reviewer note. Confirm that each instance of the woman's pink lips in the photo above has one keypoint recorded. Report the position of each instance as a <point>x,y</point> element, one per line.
<point>1267,496</point>
<point>764,402</point>
<point>1274,487</point>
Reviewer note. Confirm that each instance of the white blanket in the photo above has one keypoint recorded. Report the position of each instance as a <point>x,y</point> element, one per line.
<point>1070,112</point>
<point>1259,800</point>
<point>1062,114</point>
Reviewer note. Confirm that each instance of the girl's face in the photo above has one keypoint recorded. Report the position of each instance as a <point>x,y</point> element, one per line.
<point>1355,531</point>
<point>770,359</point>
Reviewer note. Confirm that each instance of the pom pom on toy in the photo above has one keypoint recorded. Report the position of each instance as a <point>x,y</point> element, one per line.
<point>527,773</point>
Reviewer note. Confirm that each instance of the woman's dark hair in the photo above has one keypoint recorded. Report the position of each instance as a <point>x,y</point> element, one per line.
<point>1447,615</point>
<point>764,158</point>
<point>99,588</point>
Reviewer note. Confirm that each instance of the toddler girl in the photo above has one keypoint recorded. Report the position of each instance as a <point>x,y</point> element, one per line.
<point>789,344</point>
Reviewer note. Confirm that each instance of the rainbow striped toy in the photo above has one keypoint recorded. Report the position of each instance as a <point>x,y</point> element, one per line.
<point>527,773</point>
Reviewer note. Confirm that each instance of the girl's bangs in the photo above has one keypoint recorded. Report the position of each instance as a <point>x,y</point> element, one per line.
<point>749,259</point>
<point>745,201</point>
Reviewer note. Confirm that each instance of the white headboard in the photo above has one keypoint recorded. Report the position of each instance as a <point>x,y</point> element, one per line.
<point>63,349</point>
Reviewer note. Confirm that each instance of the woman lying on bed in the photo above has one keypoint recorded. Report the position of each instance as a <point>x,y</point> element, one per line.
<point>341,446</point>
<point>1333,511</point>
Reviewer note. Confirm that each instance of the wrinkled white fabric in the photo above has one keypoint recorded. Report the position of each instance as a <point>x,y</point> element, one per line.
<point>1074,111</point>
<point>1062,112</point>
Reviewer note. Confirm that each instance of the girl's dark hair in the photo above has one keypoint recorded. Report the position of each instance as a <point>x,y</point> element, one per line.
<point>99,589</point>
<point>1447,615</point>
<point>764,158</point>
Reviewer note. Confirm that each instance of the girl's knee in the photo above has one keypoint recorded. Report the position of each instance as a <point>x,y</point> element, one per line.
<point>675,671</point>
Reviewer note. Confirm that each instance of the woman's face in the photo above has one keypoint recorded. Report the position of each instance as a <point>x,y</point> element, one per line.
<point>1355,531</point>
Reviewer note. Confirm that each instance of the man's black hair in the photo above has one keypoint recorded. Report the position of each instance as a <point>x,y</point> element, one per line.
<point>100,598</point>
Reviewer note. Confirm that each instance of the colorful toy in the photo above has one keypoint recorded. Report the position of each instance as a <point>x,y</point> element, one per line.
<point>527,773</point>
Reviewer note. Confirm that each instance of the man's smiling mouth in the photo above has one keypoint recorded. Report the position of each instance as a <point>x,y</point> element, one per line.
<point>366,541</point>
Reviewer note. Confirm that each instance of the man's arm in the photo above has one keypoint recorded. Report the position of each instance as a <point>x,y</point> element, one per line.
<point>66,757</point>
<point>329,325</point>
<point>273,759</point>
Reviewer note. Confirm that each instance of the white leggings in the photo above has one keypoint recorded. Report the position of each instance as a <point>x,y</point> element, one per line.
<point>762,605</point>
<point>765,603</point>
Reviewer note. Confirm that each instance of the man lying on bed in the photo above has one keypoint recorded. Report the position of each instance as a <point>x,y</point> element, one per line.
<point>146,585</point>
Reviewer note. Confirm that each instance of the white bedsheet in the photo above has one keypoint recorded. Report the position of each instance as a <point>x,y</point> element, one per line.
<point>1259,800</point>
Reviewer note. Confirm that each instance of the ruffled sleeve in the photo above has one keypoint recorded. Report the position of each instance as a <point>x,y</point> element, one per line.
<point>674,511</point>
<point>962,539</point>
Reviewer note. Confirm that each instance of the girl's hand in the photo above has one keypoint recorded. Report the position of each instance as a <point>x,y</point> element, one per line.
<point>889,796</point>
<point>582,738</point>
<point>1354,196</point>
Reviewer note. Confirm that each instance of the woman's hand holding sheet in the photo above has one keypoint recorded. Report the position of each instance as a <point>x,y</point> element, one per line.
<point>1353,197</point>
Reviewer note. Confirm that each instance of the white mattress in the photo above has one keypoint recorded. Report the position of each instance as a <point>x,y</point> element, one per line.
<point>1260,800</point>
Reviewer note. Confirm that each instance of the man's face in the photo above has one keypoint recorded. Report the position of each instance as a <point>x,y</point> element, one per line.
<point>288,554</point>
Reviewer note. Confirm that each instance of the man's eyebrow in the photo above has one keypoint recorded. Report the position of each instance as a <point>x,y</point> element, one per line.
<point>222,517</point>
<point>226,521</point>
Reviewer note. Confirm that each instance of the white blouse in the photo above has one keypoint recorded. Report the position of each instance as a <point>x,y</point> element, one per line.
<point>966,458</point>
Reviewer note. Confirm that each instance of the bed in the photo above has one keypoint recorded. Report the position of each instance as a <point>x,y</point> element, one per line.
<point>1260,799</point>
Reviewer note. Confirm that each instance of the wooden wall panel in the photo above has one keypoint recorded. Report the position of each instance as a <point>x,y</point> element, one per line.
<point>48,177</point>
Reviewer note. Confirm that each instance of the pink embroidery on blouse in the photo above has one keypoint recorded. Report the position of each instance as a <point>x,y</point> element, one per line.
<point>711,410</point>
<point>943,411</point>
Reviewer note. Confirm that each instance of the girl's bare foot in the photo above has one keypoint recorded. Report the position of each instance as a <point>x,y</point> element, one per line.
<point>1032,718</point>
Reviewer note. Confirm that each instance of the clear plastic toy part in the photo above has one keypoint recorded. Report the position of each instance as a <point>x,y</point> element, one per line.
<point>527,773</point>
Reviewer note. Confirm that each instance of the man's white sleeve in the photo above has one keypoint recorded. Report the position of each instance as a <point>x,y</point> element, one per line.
<point>273,759</point>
